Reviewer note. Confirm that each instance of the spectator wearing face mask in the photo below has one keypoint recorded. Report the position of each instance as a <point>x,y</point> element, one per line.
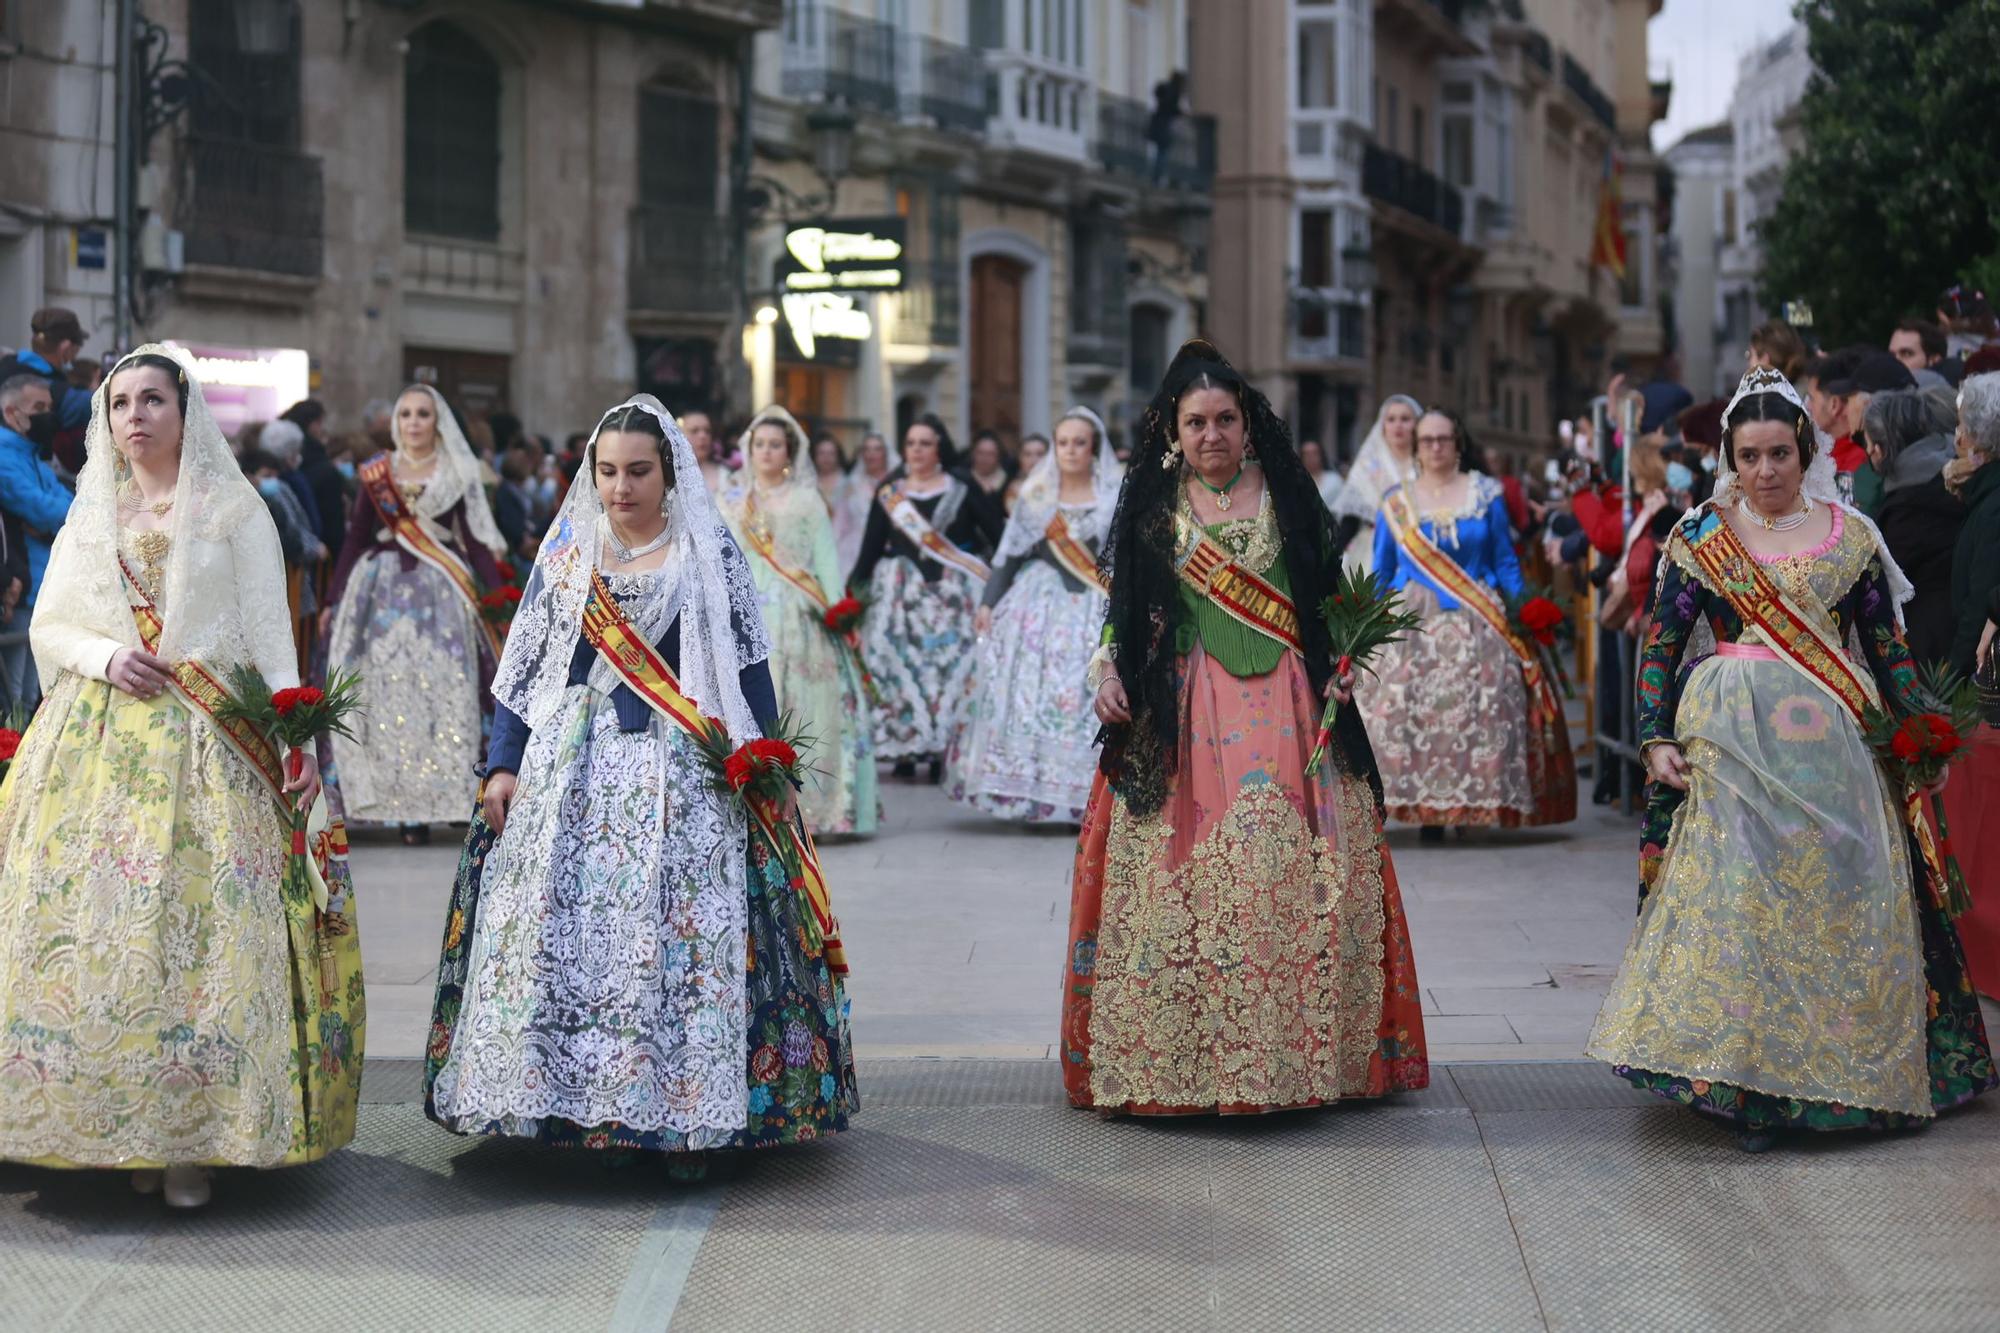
<point>56,337</point>
<point>32,494</point>
<point>1701,433</point>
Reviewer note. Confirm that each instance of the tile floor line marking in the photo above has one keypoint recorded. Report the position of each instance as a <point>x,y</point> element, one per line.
<point>1506,1207</point>
<point>665,1257</point>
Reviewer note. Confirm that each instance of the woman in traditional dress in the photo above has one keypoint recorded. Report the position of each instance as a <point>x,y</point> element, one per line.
<point>1792,967</point>
<point>1034,448</point>
<point>404,607</point>
<point>1387,458</point>
<point>626,963</point>
<point>778,517</point>
<point>167,999</point>
<point>1468,728</point>
<point>1237,940</point>
<point>836,491</point>
<point>923,563</point>
<point>1024,746</point>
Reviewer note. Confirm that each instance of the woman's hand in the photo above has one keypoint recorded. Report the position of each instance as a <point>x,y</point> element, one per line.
<point>306,782</point>
<point>1667,764</point>
<point>982,621</point>
<point>1985,650</point>
<point>1340,689</point>
<point>325,620</point>
<point>138,673</point>
<point>1112,705</point>
<point>499,798</point>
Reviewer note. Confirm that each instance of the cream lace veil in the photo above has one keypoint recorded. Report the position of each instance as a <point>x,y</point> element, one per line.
<point>705,582</point>
<point>804,479</point>
<point>212,501</point>
<point>1039,495</point>
<point>457,476</point>
<point>1375,468</point>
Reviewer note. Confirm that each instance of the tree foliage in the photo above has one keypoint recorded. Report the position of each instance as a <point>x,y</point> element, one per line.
<point>1894,193</point>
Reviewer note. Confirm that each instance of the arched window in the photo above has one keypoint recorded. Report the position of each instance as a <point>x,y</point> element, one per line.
<point>451,135</point>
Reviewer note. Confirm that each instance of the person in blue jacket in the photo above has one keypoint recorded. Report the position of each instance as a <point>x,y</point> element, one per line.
<point>1466,726</point>
<point>31,493</point>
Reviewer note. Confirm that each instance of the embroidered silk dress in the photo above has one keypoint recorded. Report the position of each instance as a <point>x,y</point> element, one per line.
<point>1448,708</point>
<point>1242,948</point>
<point>1026,743</point>
<point>1788,969</point>
<point>162,1001</point>
<point>423,659</point>
<point>917,636</point>
<point>817,677</point>
<point>623,967</point>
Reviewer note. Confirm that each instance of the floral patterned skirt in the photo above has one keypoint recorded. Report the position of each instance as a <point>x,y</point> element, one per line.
<point>917,639</point>
<point>160,1001</point>
<point>1027,740</point>
<point>418,649</point>
<point>1242,949</point>
<point>1447,711</point>
<point>624,968</point>
<point>1785,969</point>
<point>818,682</point>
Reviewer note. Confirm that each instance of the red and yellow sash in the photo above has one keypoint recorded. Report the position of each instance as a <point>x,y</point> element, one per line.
<point>414,537</point>
<point>1243,596</point>
<point>1545,708</point>
<point>910,521</point>
<point>639,665</point>
<point>197,688</point>
<point>1071,556</point>
<point>757,536</point>
<point>1811,648</point>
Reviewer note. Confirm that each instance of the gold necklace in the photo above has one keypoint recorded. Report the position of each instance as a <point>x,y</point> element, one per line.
<point>132,500</point>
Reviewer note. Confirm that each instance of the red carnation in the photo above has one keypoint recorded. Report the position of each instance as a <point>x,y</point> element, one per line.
<point>10,741</point>
<point>507,571</point>
<point>736,771</point>
<point>510,594</point>
<point>774,751</point>
<point>284,701</point>
<point>1905,746</point>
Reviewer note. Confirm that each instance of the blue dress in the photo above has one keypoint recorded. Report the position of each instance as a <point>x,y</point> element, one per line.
<point>1447,708</point>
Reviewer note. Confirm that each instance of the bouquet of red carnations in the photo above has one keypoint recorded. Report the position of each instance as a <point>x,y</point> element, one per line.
<point>293,719</point>
<point>1543,624</point>
<point>10,741</point>
<point>1362,616</point>
<point>1917,747</point>
<point>843,622</point>
<point>499,605</point>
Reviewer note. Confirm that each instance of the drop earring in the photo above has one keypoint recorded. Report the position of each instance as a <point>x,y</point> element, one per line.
<point>1172,456</point>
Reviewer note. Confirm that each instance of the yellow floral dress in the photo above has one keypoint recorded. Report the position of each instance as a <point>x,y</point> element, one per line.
<point>159,1002</point>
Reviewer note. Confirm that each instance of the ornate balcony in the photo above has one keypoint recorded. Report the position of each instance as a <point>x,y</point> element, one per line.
<point>251,206</point>
<point>1586,91</point>
<point>679,264</point>
<point>831,55</point>
<point>942,82</point>
<point>927,308</point>
<point>1397,181</point>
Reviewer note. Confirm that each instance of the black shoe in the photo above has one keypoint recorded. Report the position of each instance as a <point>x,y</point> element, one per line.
<point>1431,835</point>
<point>906,769</point>
<point>1756,1140</point>
<point>937,771</point>
<point>416,835</point>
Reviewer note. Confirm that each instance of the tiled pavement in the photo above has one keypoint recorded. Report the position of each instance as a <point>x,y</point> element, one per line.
<point>956,926</point>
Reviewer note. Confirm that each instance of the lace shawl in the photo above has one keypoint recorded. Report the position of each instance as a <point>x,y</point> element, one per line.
<point>1041,494</point>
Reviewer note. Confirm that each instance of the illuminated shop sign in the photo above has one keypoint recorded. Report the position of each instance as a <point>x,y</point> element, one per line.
<point>849,255</point>
<point>811,316</point>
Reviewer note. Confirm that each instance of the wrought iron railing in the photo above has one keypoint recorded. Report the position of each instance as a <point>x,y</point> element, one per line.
<point>679,261</point>
<point>251,206</point>
<point>1121,135</point>
<point>837,56</point>
<point>1401,183</point>
<point>943,82</point>
<point>1578,81</point>
<point>1536,44</point>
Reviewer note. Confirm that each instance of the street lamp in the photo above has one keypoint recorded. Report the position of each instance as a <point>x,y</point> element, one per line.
<point>831,129</point>
<point>1357,268</point>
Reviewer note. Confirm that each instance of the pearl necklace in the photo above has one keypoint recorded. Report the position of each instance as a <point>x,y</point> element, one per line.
<point>627,554</point>
<point>1784,524</point>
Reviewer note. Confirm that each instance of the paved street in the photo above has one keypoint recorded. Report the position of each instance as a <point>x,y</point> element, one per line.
<point>1525,1189</point>
<point>955,925</point>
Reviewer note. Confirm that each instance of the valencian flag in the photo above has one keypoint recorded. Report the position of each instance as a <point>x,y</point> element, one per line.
<point>1607,245</point>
